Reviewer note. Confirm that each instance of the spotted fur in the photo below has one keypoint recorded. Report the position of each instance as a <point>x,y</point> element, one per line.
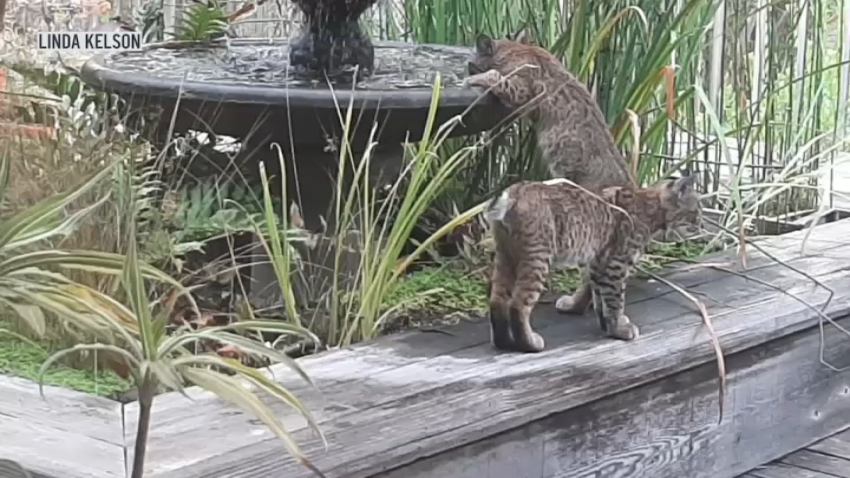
<point>571,130</point>
<point>538,226</point>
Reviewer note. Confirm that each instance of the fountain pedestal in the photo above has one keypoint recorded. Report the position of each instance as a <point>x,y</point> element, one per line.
<point>247,91</point>
<point>331,38</point>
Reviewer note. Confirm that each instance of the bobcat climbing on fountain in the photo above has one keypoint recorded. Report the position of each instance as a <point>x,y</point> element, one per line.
<point>538,225</point>
<point>571,130</point>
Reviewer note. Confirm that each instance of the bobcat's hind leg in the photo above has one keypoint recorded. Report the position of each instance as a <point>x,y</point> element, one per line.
<point>501,285</point>
<point>599,308</point>
<point>529,284</point>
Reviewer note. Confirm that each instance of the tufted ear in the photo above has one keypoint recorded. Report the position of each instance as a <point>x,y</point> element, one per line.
<point>484,45</point>
<point>523,37</point>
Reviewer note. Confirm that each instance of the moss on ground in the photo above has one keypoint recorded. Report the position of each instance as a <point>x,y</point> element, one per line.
<point>23,359</point>
<point>461,290</point>
<point>464,290</point>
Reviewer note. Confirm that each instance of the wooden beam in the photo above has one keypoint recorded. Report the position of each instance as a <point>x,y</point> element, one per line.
<point>811,460</point>
<point>442,405</point>
<point>66,434</point>
<point>784,471</point>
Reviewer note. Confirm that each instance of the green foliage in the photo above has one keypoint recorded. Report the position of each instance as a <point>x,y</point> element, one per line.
<point>645,60</point>
<point>621,48</point>
<point>136,335</point>
<point>439,290</point>
<point>208,210</point>
<point>83,110</point>
<point>202,22</point>
<point>446,289</point>
<point>23,358</point>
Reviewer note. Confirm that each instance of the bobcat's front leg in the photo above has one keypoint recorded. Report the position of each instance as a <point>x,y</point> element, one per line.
<point>493,82</point>
<point>609,297</point>
<point>483,81</point>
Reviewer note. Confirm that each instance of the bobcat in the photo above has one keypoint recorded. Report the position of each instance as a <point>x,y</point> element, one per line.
<point>571,131</point>
<point>538,225</point>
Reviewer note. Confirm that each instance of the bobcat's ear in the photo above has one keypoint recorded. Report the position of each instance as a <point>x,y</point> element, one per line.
<point>523,37</point>
<point>684,184</point>
<point>484,45</point>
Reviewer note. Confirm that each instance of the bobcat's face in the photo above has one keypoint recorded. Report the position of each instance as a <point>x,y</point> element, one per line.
<point>523,62</point>
<point>680,201</point>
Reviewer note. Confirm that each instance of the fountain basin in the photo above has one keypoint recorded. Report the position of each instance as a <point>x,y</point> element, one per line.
<point>248,88</point>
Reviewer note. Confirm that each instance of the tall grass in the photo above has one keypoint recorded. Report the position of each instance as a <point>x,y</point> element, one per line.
<point>378,228</point>
<point>644,61</point>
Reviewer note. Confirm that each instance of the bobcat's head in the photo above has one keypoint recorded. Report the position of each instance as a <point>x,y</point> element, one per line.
<point>527,64</point>
<point>680,206</point>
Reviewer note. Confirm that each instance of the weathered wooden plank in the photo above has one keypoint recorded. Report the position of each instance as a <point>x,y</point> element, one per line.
<point>815,461</point>
<point>57,453</point>
<point>175,424</point>
<point>65,434</point>
<point>389,368</point>
<point>837,445</point>
<point>11,469</point>
<point>230,425</point>
<point>61,408</point>
<point>503,391</point>
<point>669,428</point>
<point>779,470</point>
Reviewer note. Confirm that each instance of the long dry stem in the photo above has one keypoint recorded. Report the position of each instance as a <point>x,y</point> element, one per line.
<point>715,342</point>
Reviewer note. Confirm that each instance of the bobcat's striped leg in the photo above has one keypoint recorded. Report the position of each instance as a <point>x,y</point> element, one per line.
<point>599,308</point>
<point>501,285</point>
<point>578,302</point>
<point>609,279</point>
<point>529,284</point>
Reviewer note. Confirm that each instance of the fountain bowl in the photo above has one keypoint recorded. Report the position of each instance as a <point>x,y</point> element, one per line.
<point>245,87</point>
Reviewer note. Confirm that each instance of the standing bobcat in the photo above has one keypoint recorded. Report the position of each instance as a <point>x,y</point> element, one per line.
<point>554,223</point>
<point>571,130</point>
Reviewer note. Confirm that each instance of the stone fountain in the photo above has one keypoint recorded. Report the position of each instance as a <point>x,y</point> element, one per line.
<point>264,91</point>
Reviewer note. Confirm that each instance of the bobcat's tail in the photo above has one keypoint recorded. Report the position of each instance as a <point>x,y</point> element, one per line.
<point>498,207</point>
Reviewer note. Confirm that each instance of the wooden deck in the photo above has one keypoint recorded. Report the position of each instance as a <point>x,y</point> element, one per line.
<point>828,458</point>
<point>446,405</point>
<point>67,434</point>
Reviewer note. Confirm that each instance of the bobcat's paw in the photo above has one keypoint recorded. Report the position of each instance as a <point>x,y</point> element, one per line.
<point>566,304</point>
<point>623,329</point>
<point>482,81</point>
<point>532,344</point>
<point>502,340</point>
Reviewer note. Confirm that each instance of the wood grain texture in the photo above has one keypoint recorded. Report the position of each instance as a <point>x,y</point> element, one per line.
<point>780,470</point>
<point>837,445</point>
<point>423,405</point>
<point>451,392</point>
<point>812,460</point>
<point>66,434</point>
<point>337,374</point>
<point>669,428</point>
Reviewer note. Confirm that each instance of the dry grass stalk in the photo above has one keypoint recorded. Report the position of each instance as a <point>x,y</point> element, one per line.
<point>715,342</point>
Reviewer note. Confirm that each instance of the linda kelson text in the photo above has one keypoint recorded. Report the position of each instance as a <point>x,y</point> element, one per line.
<point>89,41</point>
